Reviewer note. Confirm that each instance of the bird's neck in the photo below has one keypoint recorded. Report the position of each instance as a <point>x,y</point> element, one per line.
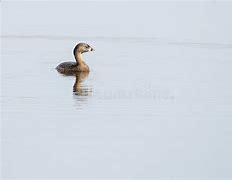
<point>79,59</point>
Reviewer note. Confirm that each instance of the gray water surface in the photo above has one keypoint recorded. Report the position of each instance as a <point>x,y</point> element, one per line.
<point>149,108</point>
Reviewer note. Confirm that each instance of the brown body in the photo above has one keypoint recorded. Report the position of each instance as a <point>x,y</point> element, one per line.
<point>72,68</point>
<point>79,65</point>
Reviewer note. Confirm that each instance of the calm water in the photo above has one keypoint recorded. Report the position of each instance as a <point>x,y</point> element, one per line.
<point>149,108</point>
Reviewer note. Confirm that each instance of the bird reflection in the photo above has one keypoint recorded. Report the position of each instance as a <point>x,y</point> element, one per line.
<point>81,91</point>
<point>78,88</point>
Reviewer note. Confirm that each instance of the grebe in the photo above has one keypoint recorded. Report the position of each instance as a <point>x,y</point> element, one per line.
<point>79,65</point>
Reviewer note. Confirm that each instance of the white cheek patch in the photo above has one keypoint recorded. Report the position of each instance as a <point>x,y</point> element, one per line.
<point>89,49</point>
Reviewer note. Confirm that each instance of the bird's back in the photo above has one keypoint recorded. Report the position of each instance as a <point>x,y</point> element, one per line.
<point>66,67</point>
